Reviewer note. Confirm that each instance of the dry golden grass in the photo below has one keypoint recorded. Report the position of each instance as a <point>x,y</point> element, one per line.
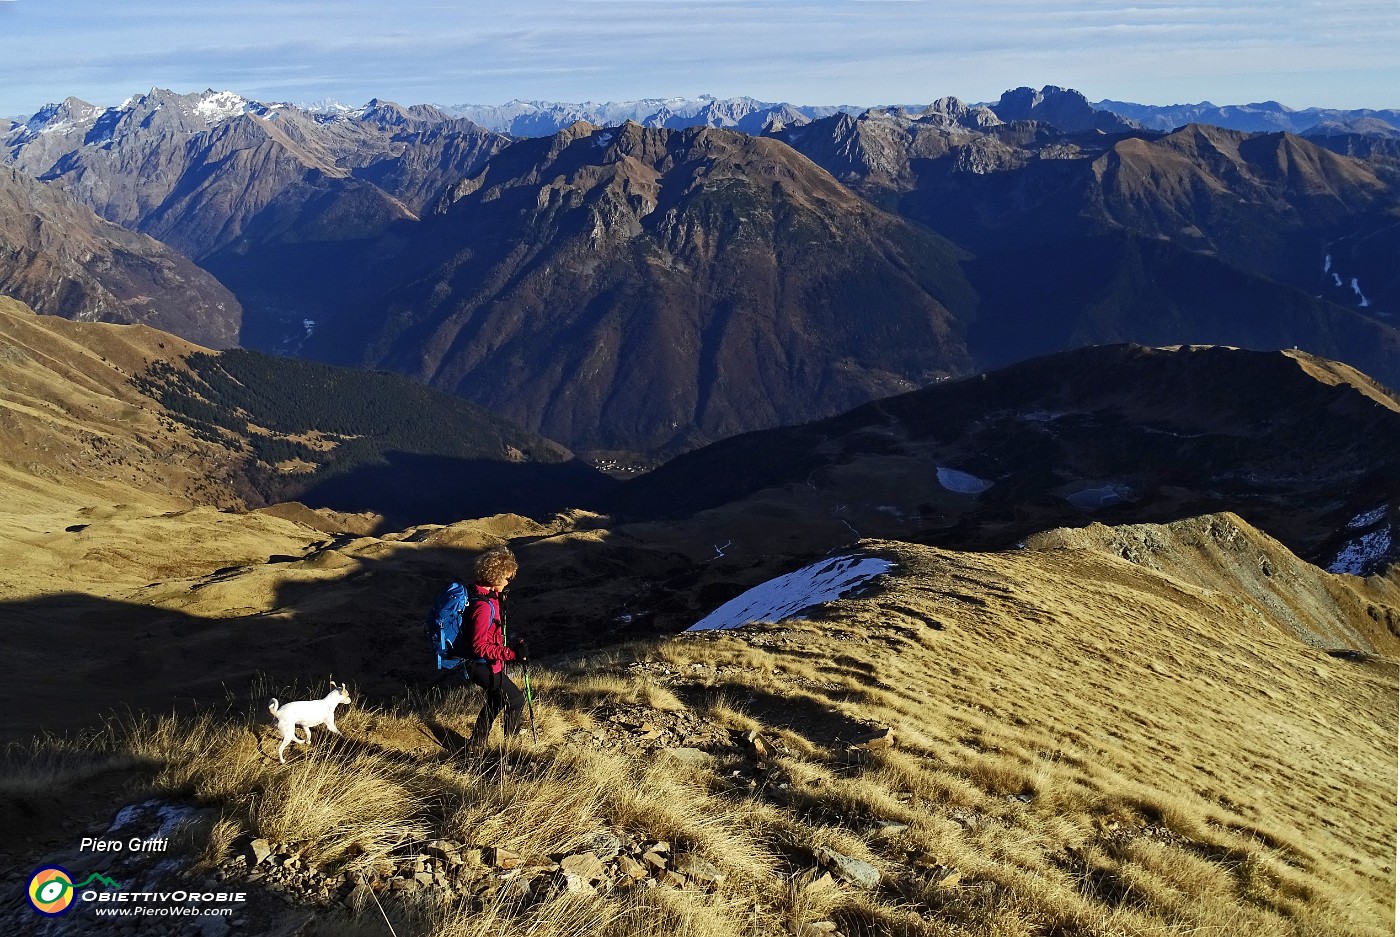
<point>1084,747</point>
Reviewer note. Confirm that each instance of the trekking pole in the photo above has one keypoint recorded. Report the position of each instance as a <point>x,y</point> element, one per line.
<point>530,701</point>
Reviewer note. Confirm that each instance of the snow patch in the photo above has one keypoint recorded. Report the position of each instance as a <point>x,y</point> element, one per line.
<point>1337,279</point>
<point>961,482</point>
<point>1327,264</point>
<point>603,140</point>
<point>1356,288</point>
<point>326,107</point>
<point>794,592</point>
<point>1364,554</point>
<point>1367,518</point>
<point>220,106</point>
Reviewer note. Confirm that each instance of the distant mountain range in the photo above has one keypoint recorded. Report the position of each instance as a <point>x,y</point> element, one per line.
<point>1263,117</point>
<point>541,118</point>
<point>643,289</point>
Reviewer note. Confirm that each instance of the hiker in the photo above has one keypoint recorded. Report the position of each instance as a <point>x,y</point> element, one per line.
<point>481,643</point>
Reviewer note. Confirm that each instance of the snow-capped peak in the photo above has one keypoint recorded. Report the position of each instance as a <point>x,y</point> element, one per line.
<point>72,114</point>
<point>326,106</point>
<point>216,106</point>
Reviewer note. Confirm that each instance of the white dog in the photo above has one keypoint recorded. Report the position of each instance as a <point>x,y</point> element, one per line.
<point>308,713</point>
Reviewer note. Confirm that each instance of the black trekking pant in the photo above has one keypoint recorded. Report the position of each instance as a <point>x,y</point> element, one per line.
<point>501,694</point>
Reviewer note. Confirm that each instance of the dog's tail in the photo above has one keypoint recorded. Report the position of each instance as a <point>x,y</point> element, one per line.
<point>272,707</point>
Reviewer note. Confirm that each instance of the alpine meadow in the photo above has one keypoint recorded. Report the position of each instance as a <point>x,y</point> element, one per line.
<point>943,520</point>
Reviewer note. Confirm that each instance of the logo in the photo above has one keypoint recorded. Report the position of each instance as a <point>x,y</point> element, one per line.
<point>51,889</point>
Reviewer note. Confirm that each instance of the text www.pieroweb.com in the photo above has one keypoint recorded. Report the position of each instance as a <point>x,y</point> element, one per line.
<point>141,911</point>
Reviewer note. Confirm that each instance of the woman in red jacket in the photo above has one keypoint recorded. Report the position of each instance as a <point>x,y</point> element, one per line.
<point>488,655</point>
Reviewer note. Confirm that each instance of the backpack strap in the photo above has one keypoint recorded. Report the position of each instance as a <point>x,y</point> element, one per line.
<point>464,632</point>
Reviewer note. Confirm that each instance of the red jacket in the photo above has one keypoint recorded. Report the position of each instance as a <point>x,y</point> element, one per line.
<point>487,627</point>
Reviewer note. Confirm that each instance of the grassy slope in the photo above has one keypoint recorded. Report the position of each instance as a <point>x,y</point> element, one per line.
<point>1184,765</point>
<point>1193,763</point>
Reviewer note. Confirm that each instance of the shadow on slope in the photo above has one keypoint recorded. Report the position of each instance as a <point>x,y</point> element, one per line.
<point>365,442</point>
<point>411,488</point>
<point>79,660</point>
<point>1120,434</point>
<point>1126,288</point>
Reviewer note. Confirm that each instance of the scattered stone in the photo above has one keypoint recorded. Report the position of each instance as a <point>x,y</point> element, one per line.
<point>656,860</point>
<point>950,880</point>
<point>819,884</point>
<point>758,746</point>
<point>818,929</point>
<point>700,870</point>
<point>673,880</point>
<point>631,867</point>
<point>691,756</point>
<point>465,875</point>
<point>891,827</point>
<point>848,869</point>
<point>444,851</point>
<point>258,850</point>
<point>574,884</point>
<point>585,865</point>
<point>505,859</point>
<point>603,845</point>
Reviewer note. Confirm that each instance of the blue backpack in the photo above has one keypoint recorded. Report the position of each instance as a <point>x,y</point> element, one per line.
<point>444,623</point>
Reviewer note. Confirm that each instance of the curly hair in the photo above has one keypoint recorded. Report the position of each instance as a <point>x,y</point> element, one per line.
<point>495,565</point>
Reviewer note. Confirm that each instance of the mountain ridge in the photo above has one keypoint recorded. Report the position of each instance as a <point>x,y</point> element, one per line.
<point>117,413</point>
<point>714,244</point>
<point>392,236</point>
<point>1123,434</point>
<point>56,255</point>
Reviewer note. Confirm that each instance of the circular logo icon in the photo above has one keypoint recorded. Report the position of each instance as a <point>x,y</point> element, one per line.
<point>51,890</point>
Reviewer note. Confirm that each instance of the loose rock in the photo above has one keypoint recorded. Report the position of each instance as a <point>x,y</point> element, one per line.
<point>848,869</point>
<point>506,859</point>
<point>700,870</point>
<point>444,851</point>
<point>258,850</point>
<point>758,746</point>
<point>585,865</point>
<point>631,867</point>
<point>603,845</point>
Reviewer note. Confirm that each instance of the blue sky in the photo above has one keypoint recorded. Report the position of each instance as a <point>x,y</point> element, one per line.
<point>1335,53</point>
